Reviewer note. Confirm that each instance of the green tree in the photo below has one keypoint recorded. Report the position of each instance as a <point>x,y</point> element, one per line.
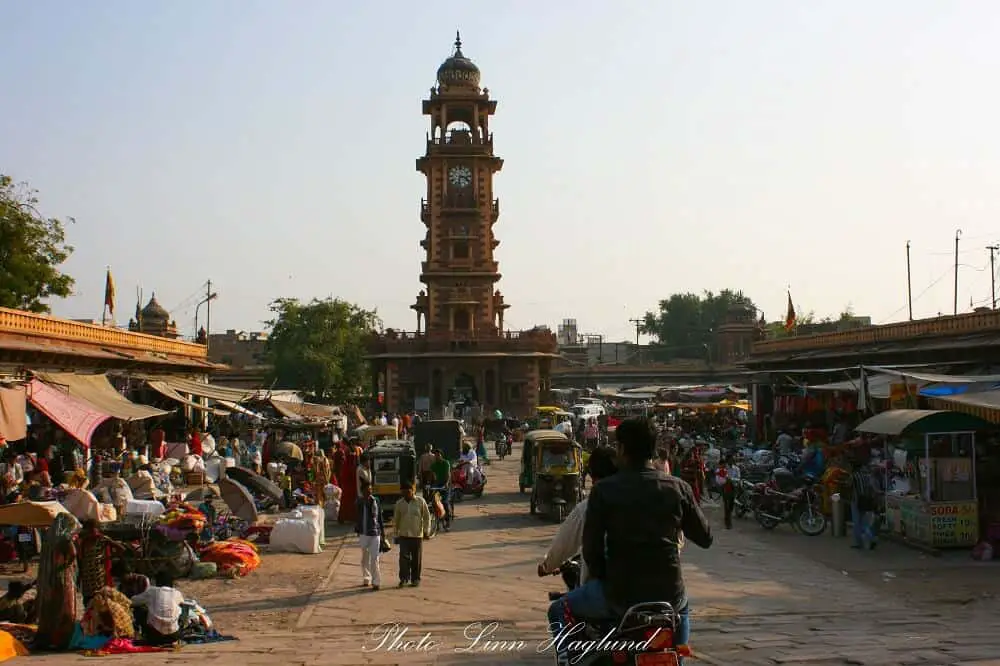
<point>319,347</point>
<point>32,248</point>
<point>684,325</point>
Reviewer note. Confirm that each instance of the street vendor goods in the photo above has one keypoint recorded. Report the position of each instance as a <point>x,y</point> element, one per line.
<point>10,647</point>
<point>108,614</point>
<point>183,518</point>
<point>234,557</point>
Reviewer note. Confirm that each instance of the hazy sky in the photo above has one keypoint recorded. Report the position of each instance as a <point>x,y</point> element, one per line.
<point>650,147</point>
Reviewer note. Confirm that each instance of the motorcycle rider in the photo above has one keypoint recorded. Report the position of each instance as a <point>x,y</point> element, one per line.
<point>470,462</point>
<point>569,539</point>
<point>633,524</point>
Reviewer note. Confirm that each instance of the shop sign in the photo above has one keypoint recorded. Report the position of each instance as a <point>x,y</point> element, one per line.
<point>903,396</point>
<point>955,523</point>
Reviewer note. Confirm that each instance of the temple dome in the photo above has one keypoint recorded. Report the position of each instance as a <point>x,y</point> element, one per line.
<point>154,311</point>
<point>458,71</point>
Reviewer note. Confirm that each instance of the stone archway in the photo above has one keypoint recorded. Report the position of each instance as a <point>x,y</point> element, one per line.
<point>464,388</point>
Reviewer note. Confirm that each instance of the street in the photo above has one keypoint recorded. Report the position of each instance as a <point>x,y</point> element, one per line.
<point>757,598</point>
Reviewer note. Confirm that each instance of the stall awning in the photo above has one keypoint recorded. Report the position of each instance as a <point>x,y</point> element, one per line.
<point>922,422</point>
<point>239,409</point>
<point>210,391</point>
<point>986,399</point>
<point>879,386</point>
<point>98,391</point>
<point>306,410</point>
<point>13,420</point>
<point>164,389</point>
<point>935,378</point>
<point>76,417</point>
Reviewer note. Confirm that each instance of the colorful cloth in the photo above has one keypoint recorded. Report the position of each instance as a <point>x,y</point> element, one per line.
<point>95,563</point>
<point>10,647</point>
<point>109,614</point>
<point>123,646</point>
<point>349,485</point>
<point>234,557</point>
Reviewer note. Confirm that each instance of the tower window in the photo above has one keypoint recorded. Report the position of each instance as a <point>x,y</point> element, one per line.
<point>462,320</point>
<point>460,250</point>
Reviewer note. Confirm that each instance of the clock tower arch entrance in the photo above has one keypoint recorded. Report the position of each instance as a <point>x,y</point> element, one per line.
<point>460,311</point>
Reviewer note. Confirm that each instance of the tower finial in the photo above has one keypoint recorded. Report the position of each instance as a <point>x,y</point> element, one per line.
<point>458,42</point>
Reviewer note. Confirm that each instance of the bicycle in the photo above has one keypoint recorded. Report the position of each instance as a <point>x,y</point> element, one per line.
<point>438,523</point>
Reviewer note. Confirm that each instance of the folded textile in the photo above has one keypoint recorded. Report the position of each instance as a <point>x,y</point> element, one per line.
<point>210,637</point>
<point>234,557</point>
<point>124,646</point>
<point>10,647</point>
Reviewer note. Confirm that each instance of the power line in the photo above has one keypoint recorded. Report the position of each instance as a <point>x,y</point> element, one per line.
<point>918,296</point>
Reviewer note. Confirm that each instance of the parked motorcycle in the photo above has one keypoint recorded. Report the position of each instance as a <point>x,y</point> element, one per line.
<point>650,625</point>
<point>745,494</point>
<point>799,507</point>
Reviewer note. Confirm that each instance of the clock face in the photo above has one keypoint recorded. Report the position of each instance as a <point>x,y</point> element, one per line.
<point>460,176</point>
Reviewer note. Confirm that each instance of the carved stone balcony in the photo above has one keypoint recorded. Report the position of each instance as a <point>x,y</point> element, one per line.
<point>29,327</point>
<point>459,266</point>
<point>460,142</point>
<point>403,343</point>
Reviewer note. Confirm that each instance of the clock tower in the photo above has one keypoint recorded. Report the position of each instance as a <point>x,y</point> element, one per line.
<point>460,352</point>
<point>459,210</point>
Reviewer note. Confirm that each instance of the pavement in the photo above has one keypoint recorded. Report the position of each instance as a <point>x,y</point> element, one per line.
<point>757,597</point>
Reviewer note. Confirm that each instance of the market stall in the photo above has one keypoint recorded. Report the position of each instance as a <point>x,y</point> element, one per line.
<point>936,450</point>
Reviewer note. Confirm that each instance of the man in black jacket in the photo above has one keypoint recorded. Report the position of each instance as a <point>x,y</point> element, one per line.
<point>630,538</point>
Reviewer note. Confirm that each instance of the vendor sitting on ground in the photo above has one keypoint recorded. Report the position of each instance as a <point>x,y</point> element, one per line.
<point>158,611</point>
<point>17,605</point>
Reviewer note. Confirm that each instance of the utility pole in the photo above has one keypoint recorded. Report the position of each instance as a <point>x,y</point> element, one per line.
<point>638,328</point>
<point>209,297</point>
<point>993,274</point>
<point>909,283</point>
<point>958,234</point>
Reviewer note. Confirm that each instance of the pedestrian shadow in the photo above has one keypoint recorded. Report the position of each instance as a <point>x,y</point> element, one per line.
<point>523,542</point>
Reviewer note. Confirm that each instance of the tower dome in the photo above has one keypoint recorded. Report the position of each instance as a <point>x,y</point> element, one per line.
<point>154,311</point>
<point>458,71</point>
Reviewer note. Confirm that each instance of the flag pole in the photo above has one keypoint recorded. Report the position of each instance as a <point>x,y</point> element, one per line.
<point>104,308</point>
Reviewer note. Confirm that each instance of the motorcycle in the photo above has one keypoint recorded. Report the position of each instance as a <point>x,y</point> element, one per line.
<point>745,495</point>
<point>503,446</point>
<point>799,507</point>
<point>462,483</point>
<point>648,627</point>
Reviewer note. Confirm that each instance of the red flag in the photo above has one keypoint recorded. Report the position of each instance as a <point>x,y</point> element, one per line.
<point>790,315</point>
<point>109,293</point>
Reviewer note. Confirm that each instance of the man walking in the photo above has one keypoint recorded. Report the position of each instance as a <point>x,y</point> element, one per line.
<point>370,529</point>
<point>412,521</point>
<point>863,505</point>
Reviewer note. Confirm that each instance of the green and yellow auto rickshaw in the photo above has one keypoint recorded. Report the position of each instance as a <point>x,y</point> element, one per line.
<point>393,464</point>
<point>552,466</point>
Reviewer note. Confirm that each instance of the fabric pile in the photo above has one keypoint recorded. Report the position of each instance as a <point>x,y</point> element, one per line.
<point>234,558</point>
<point>108,614</point>
<point>11,647</point>
<point>183,518</point>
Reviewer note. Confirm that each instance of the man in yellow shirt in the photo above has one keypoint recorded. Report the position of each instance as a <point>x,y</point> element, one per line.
<point>411,524</point>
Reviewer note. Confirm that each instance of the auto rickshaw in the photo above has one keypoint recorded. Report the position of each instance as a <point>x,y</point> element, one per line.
<point>372,434</point>
<point>552,466</point>
<point>393,464</point>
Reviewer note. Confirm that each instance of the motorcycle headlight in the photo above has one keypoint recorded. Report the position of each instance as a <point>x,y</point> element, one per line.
<point>558,486</point>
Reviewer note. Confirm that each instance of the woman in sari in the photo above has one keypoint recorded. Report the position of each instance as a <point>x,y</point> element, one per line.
<point>58,606</point>
<point>349,484</point>
<point>94,553</point>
